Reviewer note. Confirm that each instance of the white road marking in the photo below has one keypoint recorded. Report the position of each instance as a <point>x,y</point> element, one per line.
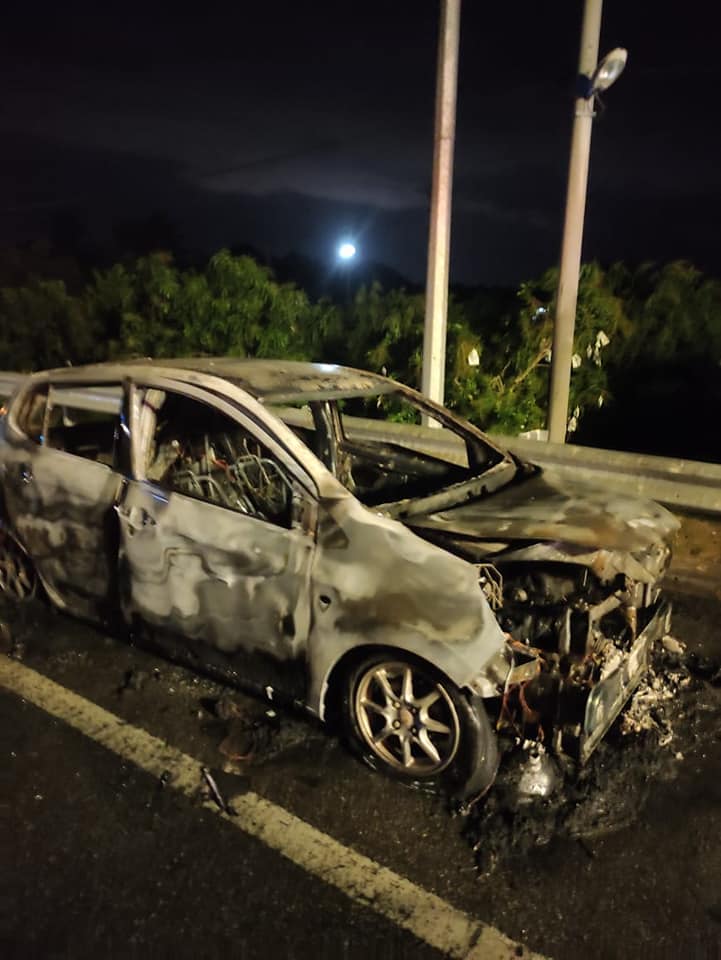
<point>422,913</point>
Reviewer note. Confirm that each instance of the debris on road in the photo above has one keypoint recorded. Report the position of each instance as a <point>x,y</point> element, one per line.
<point>668,718</point>
<point>215,794</point>
<point>540,776</point>
<point>249,735</point>
<point>228,707</point>
<point>252,731</point>
<point>11,642</point>
<point>672,645</point>
<point>133,679</point>
<point>706,668</point>
<point>6,638</point>
<point>158,798</point>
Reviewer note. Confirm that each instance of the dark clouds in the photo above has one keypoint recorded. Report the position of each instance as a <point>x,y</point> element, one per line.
<point>283,126</point>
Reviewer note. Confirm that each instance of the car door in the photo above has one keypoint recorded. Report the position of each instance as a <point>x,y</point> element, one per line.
<point>215,532</point>
<point>61,480</point>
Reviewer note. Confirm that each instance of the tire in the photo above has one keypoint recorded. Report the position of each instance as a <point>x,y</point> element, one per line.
<point>18,580</point>
<point>405,718</point>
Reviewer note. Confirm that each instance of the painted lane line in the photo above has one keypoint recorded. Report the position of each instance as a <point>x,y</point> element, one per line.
<point>409,906</point>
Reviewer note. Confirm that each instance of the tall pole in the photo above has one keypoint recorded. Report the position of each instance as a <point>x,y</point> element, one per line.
<point>439,240</point>
<point>567,296</point>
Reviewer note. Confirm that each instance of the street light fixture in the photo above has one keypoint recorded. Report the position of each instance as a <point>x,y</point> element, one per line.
<point>593,77</point>
<point>609,70</point>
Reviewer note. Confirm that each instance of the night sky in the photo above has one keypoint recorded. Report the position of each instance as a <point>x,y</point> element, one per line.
<point>285,126</point>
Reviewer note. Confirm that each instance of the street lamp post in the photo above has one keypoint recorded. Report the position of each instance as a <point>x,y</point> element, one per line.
<point>592,78</point>
<point>439,239</point>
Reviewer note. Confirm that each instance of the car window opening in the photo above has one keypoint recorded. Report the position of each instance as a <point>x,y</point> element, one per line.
<point>399,463</point>
<point>73,427</point>
<point>199,452</point>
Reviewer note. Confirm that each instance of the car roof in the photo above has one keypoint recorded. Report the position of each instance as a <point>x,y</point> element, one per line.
<point>270,381</point>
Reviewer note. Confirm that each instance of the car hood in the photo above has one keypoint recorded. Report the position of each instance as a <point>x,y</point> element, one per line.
<point>564,518</point>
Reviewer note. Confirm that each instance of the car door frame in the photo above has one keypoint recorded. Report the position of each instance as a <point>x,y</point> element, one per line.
<point>135,591</point>
<point>75,552</point>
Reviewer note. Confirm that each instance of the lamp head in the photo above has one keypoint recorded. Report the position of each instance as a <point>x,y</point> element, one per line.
<point>608,70</point>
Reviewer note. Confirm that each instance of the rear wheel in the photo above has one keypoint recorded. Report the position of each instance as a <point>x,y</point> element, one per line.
<point>407,719</point>
<point>18,580</point>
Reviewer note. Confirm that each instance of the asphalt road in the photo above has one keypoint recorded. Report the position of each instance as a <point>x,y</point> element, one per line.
<point>100,859</point>
<point>101,862</point>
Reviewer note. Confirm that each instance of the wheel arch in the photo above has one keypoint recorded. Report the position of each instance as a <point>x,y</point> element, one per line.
<point>333,686</point>
<point>480,764</point>
<point>329,687</point>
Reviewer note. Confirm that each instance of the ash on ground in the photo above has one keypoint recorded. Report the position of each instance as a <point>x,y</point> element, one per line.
<point>662,724</point>
<point>255,732</point>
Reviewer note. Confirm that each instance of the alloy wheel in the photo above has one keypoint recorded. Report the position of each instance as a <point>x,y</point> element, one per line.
<point>407,718</point>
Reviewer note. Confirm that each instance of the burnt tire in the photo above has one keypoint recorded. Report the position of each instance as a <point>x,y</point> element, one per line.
<point>406,719</point>
<point>18,580</point>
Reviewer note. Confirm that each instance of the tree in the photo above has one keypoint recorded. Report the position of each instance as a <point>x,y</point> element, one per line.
<point>642,335</point>
<point>43,326</point>
<point>234,307</point>
<point>664,375</point>
<point>507,391</point>
<point>674,313</point>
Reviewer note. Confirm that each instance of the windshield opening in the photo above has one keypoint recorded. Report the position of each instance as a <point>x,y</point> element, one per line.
<point>380,450</point>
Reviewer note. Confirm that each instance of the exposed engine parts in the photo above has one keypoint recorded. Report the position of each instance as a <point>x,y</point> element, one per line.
<point>571,634</point>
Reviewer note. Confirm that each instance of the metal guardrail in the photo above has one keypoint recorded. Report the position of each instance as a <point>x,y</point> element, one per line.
<point>8,382</point>
<point>680,484</point>
<point>685,484</point>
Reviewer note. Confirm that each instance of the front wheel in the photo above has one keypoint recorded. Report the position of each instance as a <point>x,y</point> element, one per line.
<point>408,720</point>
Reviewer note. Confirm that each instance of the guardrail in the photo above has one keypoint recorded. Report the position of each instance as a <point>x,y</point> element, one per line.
<point>8,382</point>
<point>684,484</point>
<point>680,484</point>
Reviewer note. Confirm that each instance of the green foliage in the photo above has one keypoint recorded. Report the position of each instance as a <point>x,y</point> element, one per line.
<point>41,325</point>
<point>507,392</point>
<point>233,308</point>
<point>674,313</point>
<point>498,347</point>
<point>386,332</point>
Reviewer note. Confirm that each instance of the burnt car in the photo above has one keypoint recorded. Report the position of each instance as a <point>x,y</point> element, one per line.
<point>295,529</point>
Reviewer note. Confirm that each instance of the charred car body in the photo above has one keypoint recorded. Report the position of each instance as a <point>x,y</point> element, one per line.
<point>262,523</point>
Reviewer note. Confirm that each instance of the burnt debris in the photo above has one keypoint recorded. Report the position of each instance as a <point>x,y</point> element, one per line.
<point>666,720</point>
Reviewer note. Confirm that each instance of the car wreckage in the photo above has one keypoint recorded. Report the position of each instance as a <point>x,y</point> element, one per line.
<point>295,529</point>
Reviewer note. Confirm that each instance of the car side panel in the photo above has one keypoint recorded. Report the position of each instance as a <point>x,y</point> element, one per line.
<point>377,584</point>
<point>235,582</point>
<point>61,508</point>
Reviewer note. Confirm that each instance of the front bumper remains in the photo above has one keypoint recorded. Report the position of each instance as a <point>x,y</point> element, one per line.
<point>608,697</point>
<point>571,714</point>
